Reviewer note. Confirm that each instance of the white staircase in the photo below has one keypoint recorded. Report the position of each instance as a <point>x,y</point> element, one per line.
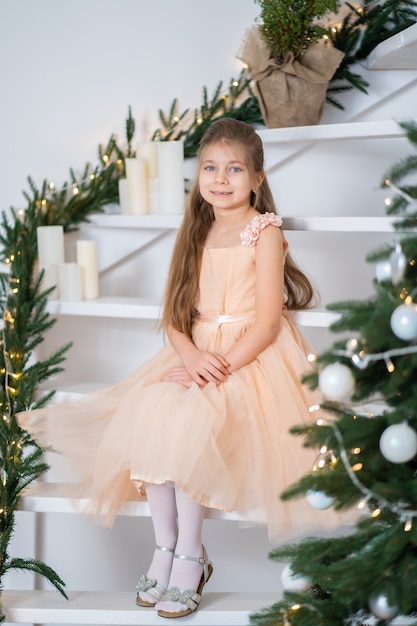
<point>283,146</point>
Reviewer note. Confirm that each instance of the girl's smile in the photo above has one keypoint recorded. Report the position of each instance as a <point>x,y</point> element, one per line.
<point>225,180</point>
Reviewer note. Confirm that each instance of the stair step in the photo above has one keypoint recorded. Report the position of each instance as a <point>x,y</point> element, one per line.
<point>399,52</point>
<point>51,497</point>
<point>112,608</point>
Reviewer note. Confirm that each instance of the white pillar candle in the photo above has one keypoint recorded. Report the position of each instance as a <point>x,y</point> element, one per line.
<point>50,245</point>
<point>171,177</point>
<point>50,279</point>
<point>123,196</point>
<point>148,150</point>
<point>137,186</point>
<point>70,282</point>
<point>154,196</point>
<point>87,259</point>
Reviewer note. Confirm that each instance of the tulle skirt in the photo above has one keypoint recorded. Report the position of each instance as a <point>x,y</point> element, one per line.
<point>228,446</point>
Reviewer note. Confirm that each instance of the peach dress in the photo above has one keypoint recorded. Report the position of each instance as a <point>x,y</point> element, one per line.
<point>227,446</point>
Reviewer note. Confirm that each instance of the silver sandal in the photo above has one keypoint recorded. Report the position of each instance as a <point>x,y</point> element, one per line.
<point>191,599</point>
<point>151,585</point>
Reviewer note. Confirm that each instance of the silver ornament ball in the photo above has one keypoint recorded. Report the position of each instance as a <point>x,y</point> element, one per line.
<point>380,607</point>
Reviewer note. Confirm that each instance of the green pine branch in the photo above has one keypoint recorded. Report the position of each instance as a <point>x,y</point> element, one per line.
<point>237,102</point>
<point>361,31</point>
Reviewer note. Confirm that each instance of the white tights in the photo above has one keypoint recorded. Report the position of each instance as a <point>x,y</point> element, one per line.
<point>177,521</point>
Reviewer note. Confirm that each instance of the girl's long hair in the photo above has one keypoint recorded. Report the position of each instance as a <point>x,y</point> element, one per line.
<point>182,290</point>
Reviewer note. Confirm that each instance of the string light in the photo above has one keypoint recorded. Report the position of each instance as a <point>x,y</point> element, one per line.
<point>363,503</point>
<point>390,365</point>
<point>362,359</point>
<point>400,192</point>
<point>399,508</point>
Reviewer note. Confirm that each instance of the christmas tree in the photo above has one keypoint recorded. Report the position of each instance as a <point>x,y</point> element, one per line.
<point>366,434</point>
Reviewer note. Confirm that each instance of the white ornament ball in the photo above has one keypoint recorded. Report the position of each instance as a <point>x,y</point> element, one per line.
<point>336,381</point>
<point>383,271</point>
<point>294,582</point>
<point>319,500</point>
<point>381,608</point>
<point>404,322</point>
<point>398,443</point>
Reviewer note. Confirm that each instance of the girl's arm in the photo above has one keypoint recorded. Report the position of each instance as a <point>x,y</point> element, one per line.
<point>202,366</point>
<point>268,300</point>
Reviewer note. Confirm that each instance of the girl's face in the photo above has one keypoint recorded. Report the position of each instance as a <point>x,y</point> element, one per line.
<point>224,178</point>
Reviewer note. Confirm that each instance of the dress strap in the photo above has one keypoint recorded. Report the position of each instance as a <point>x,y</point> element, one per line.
<point>250,235</point>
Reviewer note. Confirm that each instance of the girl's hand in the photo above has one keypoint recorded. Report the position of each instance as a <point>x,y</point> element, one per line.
<point>178,375</point>
<point>206,367</point>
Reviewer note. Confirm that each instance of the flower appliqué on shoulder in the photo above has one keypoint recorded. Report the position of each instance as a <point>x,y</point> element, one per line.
<point>250,235</point>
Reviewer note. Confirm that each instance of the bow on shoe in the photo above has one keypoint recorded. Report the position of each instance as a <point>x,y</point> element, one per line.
<point>145,583</point>
<point>188,597</point>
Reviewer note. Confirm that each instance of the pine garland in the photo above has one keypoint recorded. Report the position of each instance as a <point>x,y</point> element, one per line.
<point>239,103</point>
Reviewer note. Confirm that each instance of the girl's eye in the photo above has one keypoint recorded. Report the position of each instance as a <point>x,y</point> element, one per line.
<point>209,168</point>
<point>235,168</point>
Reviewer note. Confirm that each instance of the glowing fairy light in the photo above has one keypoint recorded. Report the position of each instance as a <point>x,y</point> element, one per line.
<point>389,365</point>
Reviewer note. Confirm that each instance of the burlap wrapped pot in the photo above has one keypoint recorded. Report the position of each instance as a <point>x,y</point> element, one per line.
<point>290,92</point>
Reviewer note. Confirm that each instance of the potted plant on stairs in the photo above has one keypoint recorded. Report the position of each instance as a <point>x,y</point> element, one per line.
<point>289,61</point>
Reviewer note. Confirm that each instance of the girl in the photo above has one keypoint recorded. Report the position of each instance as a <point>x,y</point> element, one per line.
<point>205,423</point>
